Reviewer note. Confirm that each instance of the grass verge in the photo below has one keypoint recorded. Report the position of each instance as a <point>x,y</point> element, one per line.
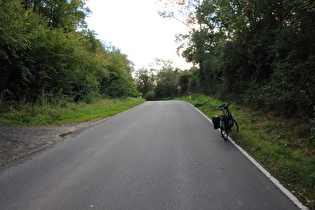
<point>284,146</point>
<point>34,114</point>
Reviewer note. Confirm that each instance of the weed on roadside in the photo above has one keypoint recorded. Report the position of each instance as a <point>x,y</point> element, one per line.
<point>38,114</point>
<point>284,146</point>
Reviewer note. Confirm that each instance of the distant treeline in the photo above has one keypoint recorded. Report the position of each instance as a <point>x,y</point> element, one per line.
<point>46,50</point>
<point>258,52</point>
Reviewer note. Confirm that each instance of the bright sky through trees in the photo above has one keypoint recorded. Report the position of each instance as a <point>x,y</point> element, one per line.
<point>136,28</point>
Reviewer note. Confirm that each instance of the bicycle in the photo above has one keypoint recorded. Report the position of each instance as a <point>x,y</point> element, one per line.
<point>225,122</point>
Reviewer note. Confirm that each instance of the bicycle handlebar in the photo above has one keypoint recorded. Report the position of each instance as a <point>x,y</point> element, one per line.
<point>224,106</point>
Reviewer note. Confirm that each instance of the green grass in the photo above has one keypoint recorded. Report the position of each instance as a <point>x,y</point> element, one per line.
<point>30,114</point>
<point>284,146</point>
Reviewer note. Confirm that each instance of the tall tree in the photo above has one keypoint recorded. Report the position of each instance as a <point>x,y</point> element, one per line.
<point>44,54</point>
<point>142,81</point>
<point>16,31</point>
<point>258,52</point>
<point>68,15</point>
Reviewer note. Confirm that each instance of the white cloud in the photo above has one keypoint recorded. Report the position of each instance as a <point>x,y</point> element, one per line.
<point>136,28</point>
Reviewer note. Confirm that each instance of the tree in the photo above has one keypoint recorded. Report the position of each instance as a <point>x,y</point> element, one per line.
<point>120,82</point>
<point>142,81</point>
<point>166,83</point>
<point>68,15</point>
<point>258,52</point>
<point>16,31</point>
<point>44,52</point>
<point>166,79</point>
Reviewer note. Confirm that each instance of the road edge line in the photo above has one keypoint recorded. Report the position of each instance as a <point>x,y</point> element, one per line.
<point>261,168</point>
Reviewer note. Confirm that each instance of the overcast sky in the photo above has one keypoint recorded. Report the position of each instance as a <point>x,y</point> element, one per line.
<point>135,27</point>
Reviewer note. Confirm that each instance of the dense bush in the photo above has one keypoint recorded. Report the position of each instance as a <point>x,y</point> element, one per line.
<point>54,53</point>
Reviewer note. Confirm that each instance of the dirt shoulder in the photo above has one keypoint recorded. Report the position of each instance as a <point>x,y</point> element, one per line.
<point>19,141</point>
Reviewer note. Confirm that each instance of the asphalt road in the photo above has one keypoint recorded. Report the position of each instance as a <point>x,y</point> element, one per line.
<point>158,155</point>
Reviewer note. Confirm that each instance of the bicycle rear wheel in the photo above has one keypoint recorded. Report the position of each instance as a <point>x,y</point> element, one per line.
<point>224,131</point>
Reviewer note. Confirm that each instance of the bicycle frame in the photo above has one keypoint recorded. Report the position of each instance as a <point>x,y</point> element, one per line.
<point>226,121</point>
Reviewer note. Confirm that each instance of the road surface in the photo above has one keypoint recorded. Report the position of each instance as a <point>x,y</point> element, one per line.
<point>158,155</point>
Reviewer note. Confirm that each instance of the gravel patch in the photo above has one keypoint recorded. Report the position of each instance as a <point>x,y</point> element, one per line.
<point>20,141</point>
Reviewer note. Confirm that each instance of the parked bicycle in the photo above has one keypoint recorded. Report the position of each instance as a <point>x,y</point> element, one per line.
<point>226,123</point>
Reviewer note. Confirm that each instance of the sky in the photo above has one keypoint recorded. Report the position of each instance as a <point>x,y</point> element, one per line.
<point>135,27</point>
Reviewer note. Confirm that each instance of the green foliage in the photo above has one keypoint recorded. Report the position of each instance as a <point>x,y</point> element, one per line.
<point>46,49</point>
<point>183,80</point>
<point>16,30</point>
<point>68,15</point>
<point>53,110</point>
<point>160,82</point>
<point>166,83</point>
<point>142,81</point>
<point>258,52</point>
<point>312,121</point>
<point>120,82</point>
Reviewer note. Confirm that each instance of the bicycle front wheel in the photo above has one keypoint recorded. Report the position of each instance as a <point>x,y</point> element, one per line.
<point>234,126</point>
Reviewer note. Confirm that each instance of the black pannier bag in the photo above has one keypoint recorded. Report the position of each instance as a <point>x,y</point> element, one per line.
<point>216,122</point>
<point>228,122</point>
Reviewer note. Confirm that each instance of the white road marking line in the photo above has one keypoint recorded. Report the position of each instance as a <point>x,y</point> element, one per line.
<point>262,169</point>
